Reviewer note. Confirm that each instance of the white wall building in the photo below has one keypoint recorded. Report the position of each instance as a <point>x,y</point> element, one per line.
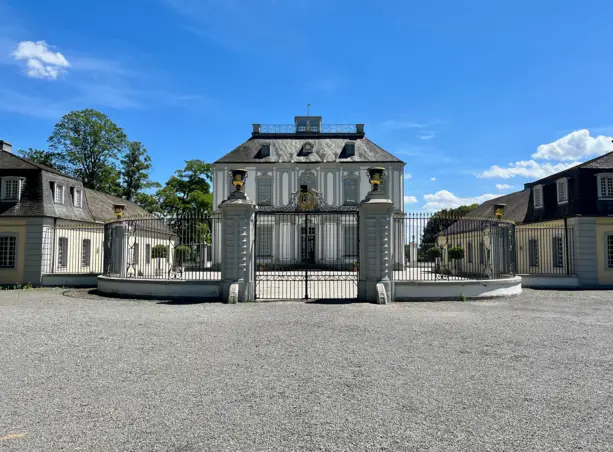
<point>330,161</point>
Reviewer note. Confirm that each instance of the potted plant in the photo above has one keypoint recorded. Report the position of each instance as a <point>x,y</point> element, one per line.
<point>261,267</point>
<point>182,254</point>
<point>356,266</point>
<point>434,255</point>
<point>159,252</point>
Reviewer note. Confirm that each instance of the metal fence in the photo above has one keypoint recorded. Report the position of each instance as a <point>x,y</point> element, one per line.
<point>186,247</point>
<point>545,250</point>
<point>73,248</point>
<point>428,247</point>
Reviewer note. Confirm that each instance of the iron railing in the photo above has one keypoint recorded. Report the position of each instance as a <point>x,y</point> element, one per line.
<point>292,128</point>
<point>73,248</point>
<point>547,250</point>
<point>185,247</point>
<point>439,247</point>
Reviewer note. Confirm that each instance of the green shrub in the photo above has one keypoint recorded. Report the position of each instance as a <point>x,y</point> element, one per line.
<point>182,254</point>
<point>455,253</point>
<point>434,253</point>
<point>159,252</point>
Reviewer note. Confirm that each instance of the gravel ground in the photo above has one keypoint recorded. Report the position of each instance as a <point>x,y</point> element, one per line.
<point>533,373</point>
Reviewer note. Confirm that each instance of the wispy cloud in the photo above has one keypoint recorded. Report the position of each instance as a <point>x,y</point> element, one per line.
<point>504,187</point>
<point>408,176</point>
<point>410,200</point>
<point>433,178</point>
<point>23,104</point>
<point>427,136</point>
<point>394,124</point>
<point>529,169</point>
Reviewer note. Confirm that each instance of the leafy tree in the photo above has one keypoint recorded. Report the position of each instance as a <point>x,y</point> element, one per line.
<point>440,221</point>
<point>90,144</point>
<point>51,159</point>
<point>135,170</point>
<point>456,253</point>
<point>188,190</point>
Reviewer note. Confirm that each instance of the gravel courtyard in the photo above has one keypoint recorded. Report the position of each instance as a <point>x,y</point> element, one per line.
<point>79,372</point>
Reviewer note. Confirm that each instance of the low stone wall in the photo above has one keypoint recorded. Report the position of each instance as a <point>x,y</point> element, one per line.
<point>69,280</point>
<point>456,290</point>
<point>157,289</point>
<point>550,281</point>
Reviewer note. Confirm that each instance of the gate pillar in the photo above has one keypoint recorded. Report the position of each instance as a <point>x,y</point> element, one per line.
<point>376,216</point>
<point>237,237</point>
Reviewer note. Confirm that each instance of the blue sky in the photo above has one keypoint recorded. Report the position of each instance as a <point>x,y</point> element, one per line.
<point>464,92</point>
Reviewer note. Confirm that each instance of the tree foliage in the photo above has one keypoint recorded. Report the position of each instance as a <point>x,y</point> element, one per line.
<point>440,221</point>
<point>456,253</point>
<point>188,190</point>
<point>51,159</point>
<point>90,144</point>
<point>135,173</point>
<point>159,252</point>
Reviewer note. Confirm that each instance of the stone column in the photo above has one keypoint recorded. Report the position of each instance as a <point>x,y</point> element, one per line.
<point>376,212</point>
<point>237,237</point>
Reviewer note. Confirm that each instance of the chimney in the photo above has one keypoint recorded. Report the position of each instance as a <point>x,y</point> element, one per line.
<point>359,128</point>
<point>256,129</point>
<point>6,146</point>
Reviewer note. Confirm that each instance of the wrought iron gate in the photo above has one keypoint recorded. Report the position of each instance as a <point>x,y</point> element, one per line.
<point>306,255</point>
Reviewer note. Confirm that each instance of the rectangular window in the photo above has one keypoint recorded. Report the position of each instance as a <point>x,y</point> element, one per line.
<point>314,125</point>
<point>8,251</point>
<point>147,253</point>
<point>533,252</point>
<point>557,249</point>
<point>78,197</point>
<point>11,189</point>
<point>469,252</point>
<point>265,150</point>
<point>562,187</point>
<point>351,241</point>
<point>349,149</point>
<point>301,126</point>
<point>62,252</point>
<point>264,192</point>
<point>481,253</point>
<point>264,240</point>
<point>610,251</point>
<point>605,186</point>
<point>538,196</point>
<point>58,196</point>
<point>86,253</point>
<point>350,190</point>
<point>135,252</point>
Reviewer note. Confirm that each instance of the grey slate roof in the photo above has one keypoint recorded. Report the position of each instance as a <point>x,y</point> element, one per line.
<point>37,195</point>
<point>288,148</point>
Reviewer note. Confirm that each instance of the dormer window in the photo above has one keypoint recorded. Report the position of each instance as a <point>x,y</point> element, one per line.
<point>605,186</point>
<point>77,198</point>
<point>58,193</point>
<point>349,149</point>
<point>265,150</point>
<point>307,148</point>
<point>308,123</point>
<point>562,188</point>
<point>537,194</point>
<point>11,188</point>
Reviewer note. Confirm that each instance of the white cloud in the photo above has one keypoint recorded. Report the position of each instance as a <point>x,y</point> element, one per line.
<point>524,168</point>
<point>575,146</point>
<point>433,178</point>
<point>444,199</point>
<point>408,176</point>
<point>41,62</point>
<point>427,136</point>
<point>410,200</point>
<point>503,187</point>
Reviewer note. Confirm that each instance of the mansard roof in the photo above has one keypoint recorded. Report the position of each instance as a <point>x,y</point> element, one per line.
<point>288,148</point>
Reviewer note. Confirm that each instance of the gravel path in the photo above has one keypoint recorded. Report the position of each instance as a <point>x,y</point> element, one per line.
<point>533,373</point>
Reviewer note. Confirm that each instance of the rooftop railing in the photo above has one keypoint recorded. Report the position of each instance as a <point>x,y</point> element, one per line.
<point>292,128</point>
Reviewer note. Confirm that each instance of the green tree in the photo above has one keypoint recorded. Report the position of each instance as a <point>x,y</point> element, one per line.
<point>188,190</point>
<point>440,221</point>
<point>51,159</point>
<point>90,144</point>
<point>135,174</point>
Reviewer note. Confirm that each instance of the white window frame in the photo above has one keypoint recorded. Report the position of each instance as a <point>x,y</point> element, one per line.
<point>259,181</point>
<point>599,178</point>
<point>5,181</point>
<point>86,253</point>
<point>78,204</point>
<point>539,189</point>
<point>564,182</point>
<point>557,250</point>
<point>265,240</point>
<point>58,188</point>
<point>356,180</point>
<point>10,238</point>
<point>62,257</point>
